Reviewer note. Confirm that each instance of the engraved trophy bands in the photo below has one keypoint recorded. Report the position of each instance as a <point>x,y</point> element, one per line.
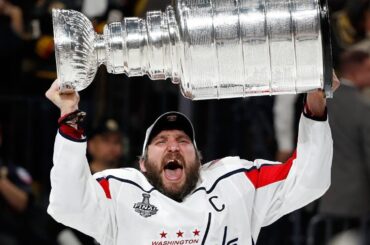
<point>211,48</point>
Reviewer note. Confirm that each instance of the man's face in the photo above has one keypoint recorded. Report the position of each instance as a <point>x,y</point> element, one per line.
<point>363,74</point>
<point>106,148</point>
<point>172,164</point>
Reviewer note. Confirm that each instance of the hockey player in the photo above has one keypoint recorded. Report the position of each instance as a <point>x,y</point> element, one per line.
<point>175,199</point>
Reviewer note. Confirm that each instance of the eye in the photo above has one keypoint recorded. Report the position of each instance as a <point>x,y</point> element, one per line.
<point>160,142</point>
<point>184,141</point>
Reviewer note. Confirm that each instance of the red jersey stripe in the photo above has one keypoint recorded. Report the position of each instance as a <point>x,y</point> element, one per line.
<point>269,174</point>
<point>71,132</point>
<point>105,184</point>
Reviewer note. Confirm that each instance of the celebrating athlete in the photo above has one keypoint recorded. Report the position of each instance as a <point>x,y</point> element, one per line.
<point>174,198</point>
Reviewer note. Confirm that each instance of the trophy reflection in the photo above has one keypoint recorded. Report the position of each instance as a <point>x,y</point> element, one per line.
<point>211,48</point>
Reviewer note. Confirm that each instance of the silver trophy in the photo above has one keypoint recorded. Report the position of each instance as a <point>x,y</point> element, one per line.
<point>211,48</point>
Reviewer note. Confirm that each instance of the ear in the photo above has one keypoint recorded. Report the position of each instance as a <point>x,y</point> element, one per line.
<point>142,166</point>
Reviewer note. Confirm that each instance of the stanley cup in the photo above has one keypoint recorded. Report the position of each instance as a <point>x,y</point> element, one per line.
<point>211,48</point>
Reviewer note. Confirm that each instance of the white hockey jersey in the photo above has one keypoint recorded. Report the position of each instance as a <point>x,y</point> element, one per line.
<point>232,201</point>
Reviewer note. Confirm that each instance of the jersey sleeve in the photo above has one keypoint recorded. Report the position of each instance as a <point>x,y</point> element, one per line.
<point>77,199</point>
<point>281,188</point>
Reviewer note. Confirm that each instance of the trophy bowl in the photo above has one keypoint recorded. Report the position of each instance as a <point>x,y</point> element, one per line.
<point>74,39</point>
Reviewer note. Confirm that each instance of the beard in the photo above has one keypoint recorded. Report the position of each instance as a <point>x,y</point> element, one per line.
<point>191,171</point>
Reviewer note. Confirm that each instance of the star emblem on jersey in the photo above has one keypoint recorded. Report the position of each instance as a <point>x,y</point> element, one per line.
<point>163,234</point>
<point>196,232</point>
<point>144,208</point>
<point>179,233</point>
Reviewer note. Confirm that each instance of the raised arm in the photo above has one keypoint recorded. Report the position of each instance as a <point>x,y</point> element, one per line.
<point>76,198</point>
<point>284,187</point>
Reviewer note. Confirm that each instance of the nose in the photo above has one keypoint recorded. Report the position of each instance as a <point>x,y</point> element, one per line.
<point>173,146</point>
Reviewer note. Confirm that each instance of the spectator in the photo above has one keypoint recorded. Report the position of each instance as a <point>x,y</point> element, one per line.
<point>15,194</point>
<point>105,146</point>
<point>284,124</point>
<point>348,198</point>
<point>349,26</point>
<point>14,15</point>
<point>11,32</point>
<point>15,197</point>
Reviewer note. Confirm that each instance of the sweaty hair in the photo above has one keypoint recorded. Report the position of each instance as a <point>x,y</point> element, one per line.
<point>351,59</point>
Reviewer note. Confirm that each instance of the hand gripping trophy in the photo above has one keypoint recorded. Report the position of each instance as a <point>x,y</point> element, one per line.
<point>211,48</point>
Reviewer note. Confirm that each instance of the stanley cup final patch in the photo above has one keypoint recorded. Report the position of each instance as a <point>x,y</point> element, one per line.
<point>144,208</point>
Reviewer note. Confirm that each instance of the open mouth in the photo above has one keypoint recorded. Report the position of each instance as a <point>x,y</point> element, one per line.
<point>173,170</point>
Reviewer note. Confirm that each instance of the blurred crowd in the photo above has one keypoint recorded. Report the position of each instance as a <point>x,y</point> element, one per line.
<point>119,109</point>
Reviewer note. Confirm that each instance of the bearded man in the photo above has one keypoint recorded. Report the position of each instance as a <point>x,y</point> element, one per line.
<point>174,199</point>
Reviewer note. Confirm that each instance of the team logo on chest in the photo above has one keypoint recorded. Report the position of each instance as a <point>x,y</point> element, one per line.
<point>144,208</point>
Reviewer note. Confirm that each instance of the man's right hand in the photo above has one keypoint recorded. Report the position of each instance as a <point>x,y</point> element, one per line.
<point>66,101</point>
